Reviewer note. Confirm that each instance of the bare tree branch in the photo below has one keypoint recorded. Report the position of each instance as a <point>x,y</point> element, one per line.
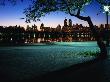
<point>78,12</point>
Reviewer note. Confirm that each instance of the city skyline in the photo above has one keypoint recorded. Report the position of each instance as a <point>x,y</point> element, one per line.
<point>65,22</point>
<point>67,33</point>
<point>11,16</point>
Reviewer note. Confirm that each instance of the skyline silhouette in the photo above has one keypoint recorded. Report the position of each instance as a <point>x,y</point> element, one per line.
<point>69,32</point>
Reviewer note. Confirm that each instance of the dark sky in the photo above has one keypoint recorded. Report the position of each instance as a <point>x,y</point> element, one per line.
<point>10,15</point>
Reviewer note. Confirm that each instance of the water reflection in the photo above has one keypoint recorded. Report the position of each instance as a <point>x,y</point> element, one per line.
<point>45,39</point>
<point>60,39</point>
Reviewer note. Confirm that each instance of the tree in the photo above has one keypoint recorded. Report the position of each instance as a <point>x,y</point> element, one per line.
<point>40,8</point>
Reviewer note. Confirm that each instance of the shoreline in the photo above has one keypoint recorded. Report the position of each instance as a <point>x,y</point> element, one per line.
<point>86,43</point>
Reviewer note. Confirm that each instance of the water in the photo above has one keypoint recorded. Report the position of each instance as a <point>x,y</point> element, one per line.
<point>17,63</point>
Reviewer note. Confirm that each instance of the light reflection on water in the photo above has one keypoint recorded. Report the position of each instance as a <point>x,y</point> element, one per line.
<point>60,39</point>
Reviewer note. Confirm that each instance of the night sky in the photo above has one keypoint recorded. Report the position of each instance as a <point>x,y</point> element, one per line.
<point>10,15</point>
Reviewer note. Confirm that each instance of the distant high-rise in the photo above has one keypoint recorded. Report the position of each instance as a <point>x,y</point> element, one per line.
<point>42,27</point>
<point>28,28</point>
<point>70,22</point>
<point>101,26</point>
<point>107,26</point>
<point>65,22</point>
<point>34,27</point>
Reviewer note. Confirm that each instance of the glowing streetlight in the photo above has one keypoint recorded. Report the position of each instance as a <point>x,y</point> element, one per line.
<point>107,10</point>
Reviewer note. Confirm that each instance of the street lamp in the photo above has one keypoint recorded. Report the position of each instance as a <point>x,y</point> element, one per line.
<point>107,10</point>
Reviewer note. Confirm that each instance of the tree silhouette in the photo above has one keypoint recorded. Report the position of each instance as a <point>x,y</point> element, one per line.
<point>40,8</point>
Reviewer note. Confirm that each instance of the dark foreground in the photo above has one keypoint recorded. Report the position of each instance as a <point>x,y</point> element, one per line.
<point>97,70</point>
